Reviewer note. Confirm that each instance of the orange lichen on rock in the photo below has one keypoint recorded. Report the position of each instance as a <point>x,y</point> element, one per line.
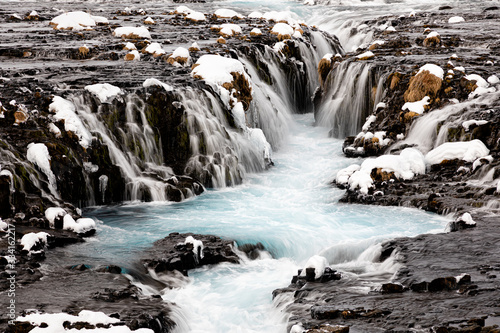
<point>83,50</point>
<point>324,67</point>
<point>421,85</point>
<point>221,40</point>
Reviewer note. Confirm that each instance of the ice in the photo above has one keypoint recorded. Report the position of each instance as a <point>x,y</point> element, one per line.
<point>366,55</point>
<point>368,122</point>
<point>469,123</point>
<point>38,154</point>
<point>259,140</point>
<point>467,218</point>
<point>52,213</point>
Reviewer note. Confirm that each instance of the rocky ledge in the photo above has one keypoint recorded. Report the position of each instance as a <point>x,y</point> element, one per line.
<point>116,291</point>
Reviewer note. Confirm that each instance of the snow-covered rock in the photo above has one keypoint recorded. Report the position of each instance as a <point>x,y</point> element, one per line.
<point>104,91</point>
<point>319,263</point>
<point>132,32</point>
<point>31,239</point>
<point>155,82</point>
<point>227,13</point>
<point>76,21</point>
<point>467,151</point>
<point>65,110</point>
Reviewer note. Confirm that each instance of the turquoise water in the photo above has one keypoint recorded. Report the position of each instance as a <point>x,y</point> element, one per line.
<point>292,209</point>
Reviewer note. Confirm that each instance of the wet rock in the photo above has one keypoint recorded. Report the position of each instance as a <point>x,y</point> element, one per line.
<point>175,252</point>
<point>252,250</point>
<point>392,288</point>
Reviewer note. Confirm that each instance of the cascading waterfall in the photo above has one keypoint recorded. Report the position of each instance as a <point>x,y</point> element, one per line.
<point>352,91</point>
<point>131,147</point>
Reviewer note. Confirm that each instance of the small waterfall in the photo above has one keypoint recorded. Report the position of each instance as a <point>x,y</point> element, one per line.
<point>432,129</point>
<point>131,145</point>
<point>352,89</point>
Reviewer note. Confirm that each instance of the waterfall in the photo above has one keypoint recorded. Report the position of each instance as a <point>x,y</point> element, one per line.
<point>352,89</point>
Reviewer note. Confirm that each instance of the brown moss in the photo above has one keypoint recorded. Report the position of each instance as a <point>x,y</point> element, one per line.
<point>83,50</point>
<point>421,85</point>
<point>129,57</point>
<point>215,28</point>
<point>20,116</point>
<point>180,60</point>
<point>379,175</point>
<point>448,90</point>
<point>434,41</point>
<point>253,34</point>
<point>375,140</point>
<point>324,68</point>
<point>408,116</point>
<point>241,89</point>
<point>193,49</point>
<point>221,40</point>
<point>283,37</point>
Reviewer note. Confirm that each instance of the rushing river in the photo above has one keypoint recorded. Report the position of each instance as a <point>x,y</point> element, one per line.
<point>291,209</point>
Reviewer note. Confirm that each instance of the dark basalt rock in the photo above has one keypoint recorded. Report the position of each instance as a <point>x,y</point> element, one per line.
<point>172,253</point>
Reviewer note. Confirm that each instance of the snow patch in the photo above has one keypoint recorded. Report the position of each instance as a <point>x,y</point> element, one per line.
<point>227,13</point>
<point>418,106</point>
<point>319,263</point>
<point>65,110</point>
<point>31,239</point>
<point>433,69</point>
<point>469,123</point>
<point>366,55</point>
<point>467,151</point>
<point>134,32</point>
<point>456,19</point>
<point>104,91</point>
<point>197,246</point>
<point>79,226</point>
<point>154,82</point>
<point>77,21</point>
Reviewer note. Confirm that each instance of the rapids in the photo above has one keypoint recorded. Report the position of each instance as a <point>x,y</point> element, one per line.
<point>291,209</point>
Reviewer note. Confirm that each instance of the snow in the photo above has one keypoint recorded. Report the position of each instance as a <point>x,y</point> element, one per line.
<point>55,322</point>
<point>130,46</point>
<point>328,56</point>
<point>81,225</point>
<point>319,263</point>
<point>297,34</point>
<point>366,55</point>
<point>136,54</point>
<point>65,110</point>
<point>197,246</point>
<point>259,140</point>
<point>155,48</point>
<point>104,91</point>
<point>29,240</point>
<point>3,226</point>
<point>255,15</point>
<point>77,21</point>
<point>380,105</point>
<point>478,162</point>
<point>406,165</point>
<point>391,29</point>
<point>456,19</point>
<point>141,32</point>
<point>368,122</point>
<point>344,174</point>
<point>216,70</point>
<point>230,29</point>
<point>468,123</point>
<point>154,82</point>
<point>282,29</point>
<point>433,69</point>
<point>52,213</point>
<point>180,52</point>
<point>467,218</point>
<point>460,69</point>
<point>38,154</point>
<point>183,10</point>
<point>378,42</point>
<point>149,20</point>
<point>54,129</point>
<point>297,328</point>
<point>479,80</point>
<point>278,46</point>
<point>196,16</point>
<point>493,79</point>
<point>418,106</point>
<point>467,151</point>
<point>256,31</point>
<point>227,13</point>
<point>433,34</point>
<point>284,16</point>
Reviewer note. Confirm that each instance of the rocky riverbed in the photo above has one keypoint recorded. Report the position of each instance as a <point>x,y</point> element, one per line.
<point>429,293</point>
